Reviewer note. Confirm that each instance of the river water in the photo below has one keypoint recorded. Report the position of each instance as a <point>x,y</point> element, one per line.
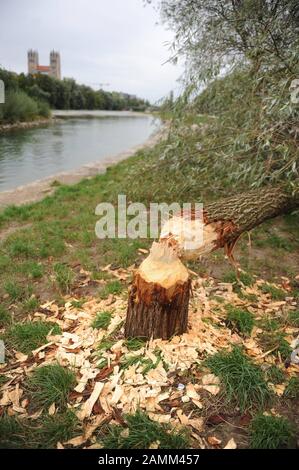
<point>75,139</point>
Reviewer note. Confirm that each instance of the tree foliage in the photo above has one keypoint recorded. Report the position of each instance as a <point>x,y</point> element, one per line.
<point>213,35</point>
<point>19,106</point>
<point>244,57</point>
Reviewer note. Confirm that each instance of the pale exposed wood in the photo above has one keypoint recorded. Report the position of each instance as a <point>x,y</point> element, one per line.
<point>159,296</point>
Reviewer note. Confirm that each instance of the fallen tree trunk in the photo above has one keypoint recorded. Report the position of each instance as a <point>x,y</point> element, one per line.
<point>241,213</point>
<point>223,222</point>
<point>158,300</point>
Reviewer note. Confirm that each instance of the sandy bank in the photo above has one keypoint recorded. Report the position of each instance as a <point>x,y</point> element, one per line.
<point>26,124</point>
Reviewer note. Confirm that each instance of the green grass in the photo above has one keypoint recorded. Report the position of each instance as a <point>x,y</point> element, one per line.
<point>133,344</point>
<point>240,319</point>
<point>147,364</point>
<point>243,381</point>
<point>3,379</point>
<point>16,291</point>
<point>106,344</point>
<point>31,304</point>
<point>103,362</point>
<point>271,432</point>
<point>276,242</point>
<point>275,341</point>
<point>42,433</point>
<point>292,389</point>
<point>28,336</point>
<point>50,384</point>
<point>58,428</point>
<point>269,324</point>
<point>275,292</point>
<point>113,287</point>
<point>252,298</point>
<point>35,270</point>
<point>245,278</point>
<point>20,247</point>
<point>11,432</point>
<point>275,375</point>
<point>293,318</point>
<point>78,303</point>
<point>5,316</point>
<point>102,320</point>
<point>142,432</point>
<point>64,277</point>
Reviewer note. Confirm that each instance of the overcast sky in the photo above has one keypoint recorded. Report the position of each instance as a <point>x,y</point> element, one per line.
<point>100,41</point>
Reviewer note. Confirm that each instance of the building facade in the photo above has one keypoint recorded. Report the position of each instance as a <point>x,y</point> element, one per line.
<point>53,70</point>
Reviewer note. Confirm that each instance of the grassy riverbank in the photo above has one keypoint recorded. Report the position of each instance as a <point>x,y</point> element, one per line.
<point>49,252</point>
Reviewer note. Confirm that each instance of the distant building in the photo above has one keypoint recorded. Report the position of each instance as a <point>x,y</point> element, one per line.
<point>127,96</point>
<point>53,70</point>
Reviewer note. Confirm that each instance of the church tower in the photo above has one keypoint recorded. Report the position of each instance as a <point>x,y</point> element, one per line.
<point>32,61</point>
<point>55,65</point>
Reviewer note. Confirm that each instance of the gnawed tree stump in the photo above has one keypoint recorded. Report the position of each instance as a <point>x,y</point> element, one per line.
<point>159,296</point>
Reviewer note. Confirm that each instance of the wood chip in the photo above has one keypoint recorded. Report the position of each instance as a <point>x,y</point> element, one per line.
<point>87,407</point>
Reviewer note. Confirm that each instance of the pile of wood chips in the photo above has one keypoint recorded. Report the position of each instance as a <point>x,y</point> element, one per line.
<point>104,393</point>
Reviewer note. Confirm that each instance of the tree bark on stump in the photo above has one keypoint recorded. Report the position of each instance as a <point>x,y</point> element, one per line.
<point>159,296</point>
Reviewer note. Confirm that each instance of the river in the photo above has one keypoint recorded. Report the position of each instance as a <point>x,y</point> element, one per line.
<point>75,139</point>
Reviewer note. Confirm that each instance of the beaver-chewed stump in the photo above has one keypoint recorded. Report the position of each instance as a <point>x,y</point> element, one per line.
<point>159,296</point>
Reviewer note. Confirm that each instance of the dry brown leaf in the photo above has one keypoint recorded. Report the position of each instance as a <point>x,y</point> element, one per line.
<point>213,441</point>
<point>143,251</point>
<point>191,392</point>
<point>21,357</point>
<point>52,409</point>
<point>210,379</point>
<point>154,445</point>
<point>182,417</point>
<point>197,403</point>
<point>197,424</point>
<point>98,421</point>
<point>159,418</point>
<point>278,389</point>
<point>231,444</point>
<point>76,441</point>
<point>97,445</point>
<point>125,432</point>
<point>36,415</point>
<point>213,389</point>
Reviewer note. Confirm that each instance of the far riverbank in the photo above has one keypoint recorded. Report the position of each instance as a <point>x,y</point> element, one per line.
<point>65,113</point>
<point>21,125</point>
